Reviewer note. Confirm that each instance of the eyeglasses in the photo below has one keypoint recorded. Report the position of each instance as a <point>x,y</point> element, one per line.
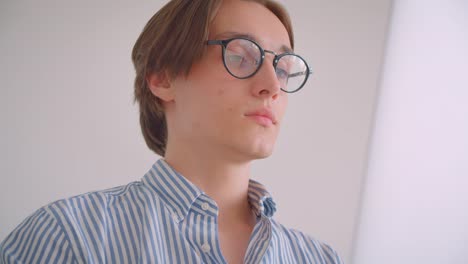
<point>243,58</point>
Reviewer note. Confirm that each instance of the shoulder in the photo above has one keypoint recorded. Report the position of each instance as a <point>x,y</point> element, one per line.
<point>39,237</point>
<point>57,231</point>
<point>303,246</point>
<point>92,205</point>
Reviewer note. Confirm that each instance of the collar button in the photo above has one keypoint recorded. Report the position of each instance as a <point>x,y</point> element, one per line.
<point>205,248</point>
<point>175,216</point>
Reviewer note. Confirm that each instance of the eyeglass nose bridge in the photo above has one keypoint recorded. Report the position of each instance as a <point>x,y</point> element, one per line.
<point>275,59</point>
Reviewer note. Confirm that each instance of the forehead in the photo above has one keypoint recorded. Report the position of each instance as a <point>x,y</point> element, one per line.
<point>248,18</point>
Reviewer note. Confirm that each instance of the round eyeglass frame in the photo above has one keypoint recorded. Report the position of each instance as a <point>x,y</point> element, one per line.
<point>277,57</point>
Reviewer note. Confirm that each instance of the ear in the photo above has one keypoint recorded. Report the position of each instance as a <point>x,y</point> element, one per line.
<point>160,86</point>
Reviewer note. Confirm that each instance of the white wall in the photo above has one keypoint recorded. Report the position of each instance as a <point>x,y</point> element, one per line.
<point>68,124</point>
<point>415,205</point>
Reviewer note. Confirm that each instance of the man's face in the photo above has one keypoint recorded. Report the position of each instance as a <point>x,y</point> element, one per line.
<point>216,112</point>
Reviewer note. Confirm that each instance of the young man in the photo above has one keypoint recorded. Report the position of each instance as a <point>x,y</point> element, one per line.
<point>212,82</point>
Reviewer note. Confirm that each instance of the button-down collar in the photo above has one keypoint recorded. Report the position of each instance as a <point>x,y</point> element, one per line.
<point>180,195</point>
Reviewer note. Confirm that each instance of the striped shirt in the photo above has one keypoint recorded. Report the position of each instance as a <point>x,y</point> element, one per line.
<point>163,218</point>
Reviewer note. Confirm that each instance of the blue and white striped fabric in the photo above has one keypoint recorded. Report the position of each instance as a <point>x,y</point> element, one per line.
<point>161,219</point>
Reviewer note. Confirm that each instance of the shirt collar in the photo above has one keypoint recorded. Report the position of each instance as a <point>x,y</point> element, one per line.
<point>179,194</point>
<point>260,199</point>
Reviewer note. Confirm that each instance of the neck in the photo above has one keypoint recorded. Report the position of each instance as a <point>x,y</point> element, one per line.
<point>226,181</point>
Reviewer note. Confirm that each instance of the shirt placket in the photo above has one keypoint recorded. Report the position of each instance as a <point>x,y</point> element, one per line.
<point>260,241</point>
<point>207,231</point>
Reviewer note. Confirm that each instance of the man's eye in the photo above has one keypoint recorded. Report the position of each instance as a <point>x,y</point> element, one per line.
<point>235,59</point>
<point>242,61</point>
<point>282,74</point>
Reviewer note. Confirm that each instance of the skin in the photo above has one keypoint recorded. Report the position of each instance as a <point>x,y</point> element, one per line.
<point>211,140</point>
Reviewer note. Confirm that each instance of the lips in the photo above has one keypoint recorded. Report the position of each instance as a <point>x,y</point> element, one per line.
<point>263,116</point>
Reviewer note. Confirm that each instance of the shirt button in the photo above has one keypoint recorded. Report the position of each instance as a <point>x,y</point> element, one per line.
<point>205,248</point>
<point>205,206</point>
<point>175,216</point>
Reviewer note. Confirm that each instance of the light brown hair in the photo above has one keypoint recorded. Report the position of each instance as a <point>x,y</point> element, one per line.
<point>172,40</point>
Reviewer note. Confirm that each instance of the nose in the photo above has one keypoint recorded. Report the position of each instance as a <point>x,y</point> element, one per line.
<point>265,82</point>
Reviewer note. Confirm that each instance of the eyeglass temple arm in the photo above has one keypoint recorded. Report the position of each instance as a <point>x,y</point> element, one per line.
<point>299,73</point>
<point>215,42</point>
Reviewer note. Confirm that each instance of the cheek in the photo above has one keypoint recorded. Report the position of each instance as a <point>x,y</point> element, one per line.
<point>212,109</point>
<point>221,91</point>
<point>195,124</point>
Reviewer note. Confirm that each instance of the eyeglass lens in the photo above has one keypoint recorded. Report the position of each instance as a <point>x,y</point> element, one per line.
<point>243,58</point>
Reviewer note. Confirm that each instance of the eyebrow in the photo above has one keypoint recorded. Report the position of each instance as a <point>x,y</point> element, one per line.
<point>232,34</point>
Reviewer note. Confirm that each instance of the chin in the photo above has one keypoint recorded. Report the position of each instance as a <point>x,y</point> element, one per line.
<point>246,153</point>
<point>259,157</point>
<point>254,147</point>
<point>261,153</point>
